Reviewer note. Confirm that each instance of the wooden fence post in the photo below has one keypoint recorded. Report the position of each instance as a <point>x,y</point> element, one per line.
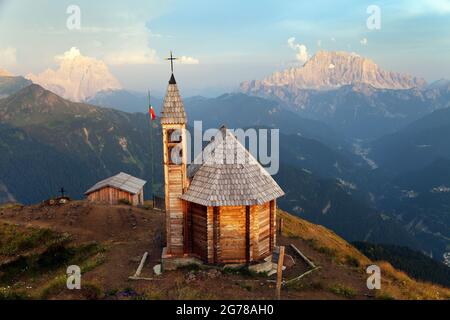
<point>280,272</point>
<point>280,226</point>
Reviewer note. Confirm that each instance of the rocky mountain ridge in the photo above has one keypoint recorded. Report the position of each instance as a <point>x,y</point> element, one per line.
<point>331,70</point>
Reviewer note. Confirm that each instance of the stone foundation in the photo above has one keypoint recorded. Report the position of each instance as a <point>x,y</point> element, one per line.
<point>171,262</point>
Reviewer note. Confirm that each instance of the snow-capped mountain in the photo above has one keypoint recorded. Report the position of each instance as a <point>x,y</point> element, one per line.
<point>331,70</point>
<point>77,78</point>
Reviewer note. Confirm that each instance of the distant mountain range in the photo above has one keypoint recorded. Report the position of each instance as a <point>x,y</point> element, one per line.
<point>368,159</point>
<point>47,142</point>
<point>238,110</point>
<point>352,94</point>
<point>416,145</point>
<point>123,100</point>
<point>440,84</point>
<point>417,158</point>
<point>332,70</point>
<point>10,84</point>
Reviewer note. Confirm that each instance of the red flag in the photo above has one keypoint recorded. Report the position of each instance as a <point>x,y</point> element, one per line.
<point>151,112</point>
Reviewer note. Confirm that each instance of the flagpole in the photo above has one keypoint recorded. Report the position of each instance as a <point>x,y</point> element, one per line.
<point>151,147</point>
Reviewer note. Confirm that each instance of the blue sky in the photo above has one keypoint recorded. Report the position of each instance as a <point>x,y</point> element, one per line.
<point>223,42</point>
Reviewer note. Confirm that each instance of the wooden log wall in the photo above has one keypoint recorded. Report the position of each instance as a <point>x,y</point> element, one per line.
<point>210,234</point>
<point>174,212</point>
<point>261,247</point>
<point>232,234</point>
<point>273,224</point>
<point>216,235</point>
<point>175,184</point>
<point>237,234</point>
<point>198,230</point>
<point>112,196</point>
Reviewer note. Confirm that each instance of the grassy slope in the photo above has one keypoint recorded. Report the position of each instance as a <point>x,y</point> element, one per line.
<point>395,284</point>
<point>33,261</point>
<point>107,242</point>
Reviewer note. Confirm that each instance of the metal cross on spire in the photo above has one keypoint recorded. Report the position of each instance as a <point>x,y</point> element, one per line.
<point>171,59</point>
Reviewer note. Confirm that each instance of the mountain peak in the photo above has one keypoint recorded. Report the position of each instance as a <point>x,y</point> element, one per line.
<point>330,70</point>
<point>38,94</point>
<point>34,103</point>
<point>78,77</point>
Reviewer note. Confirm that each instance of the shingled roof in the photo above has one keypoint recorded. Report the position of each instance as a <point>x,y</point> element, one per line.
<point>121,181</point>
<point>226,174</point>
<point>173,109</point>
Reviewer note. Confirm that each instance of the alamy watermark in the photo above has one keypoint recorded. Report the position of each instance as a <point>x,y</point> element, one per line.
<point>374,280</point>
<point>73,22</point>
<point>262,144</point>
<point>374,20</point>
<point>73,278</point>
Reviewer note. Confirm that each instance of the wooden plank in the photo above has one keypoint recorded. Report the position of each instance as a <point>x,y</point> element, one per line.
<point>273,210</point>
<point>199,230</point>
<point>247,234</point>
<point>141,265</point>
<point>210,234</point>
<point>309,262</point>
<point>302,275</point>
<point>233,234</point>
<point>216,234</point>
<point>262,217</point>
<point>186,229</point>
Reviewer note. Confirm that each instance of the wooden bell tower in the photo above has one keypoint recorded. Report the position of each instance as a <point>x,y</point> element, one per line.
<point>173,123</point>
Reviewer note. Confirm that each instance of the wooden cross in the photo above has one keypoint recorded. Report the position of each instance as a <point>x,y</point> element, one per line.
<point>171,59</point>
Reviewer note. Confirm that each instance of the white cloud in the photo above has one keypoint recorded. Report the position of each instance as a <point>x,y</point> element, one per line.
<point>132,57</point>
<point>419,7</point>
<point>130,46</point>
<point>442,6</point>
<point>8,57</point>
<point>188,60</point>
<point>363,41</point>
<point>71,54</point>
<point>301,50</point>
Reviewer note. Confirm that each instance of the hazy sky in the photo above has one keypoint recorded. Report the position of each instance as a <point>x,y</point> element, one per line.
<point>224,42</point>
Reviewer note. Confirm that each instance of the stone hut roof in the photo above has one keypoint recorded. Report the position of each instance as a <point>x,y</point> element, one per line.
<point>226,174</point>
